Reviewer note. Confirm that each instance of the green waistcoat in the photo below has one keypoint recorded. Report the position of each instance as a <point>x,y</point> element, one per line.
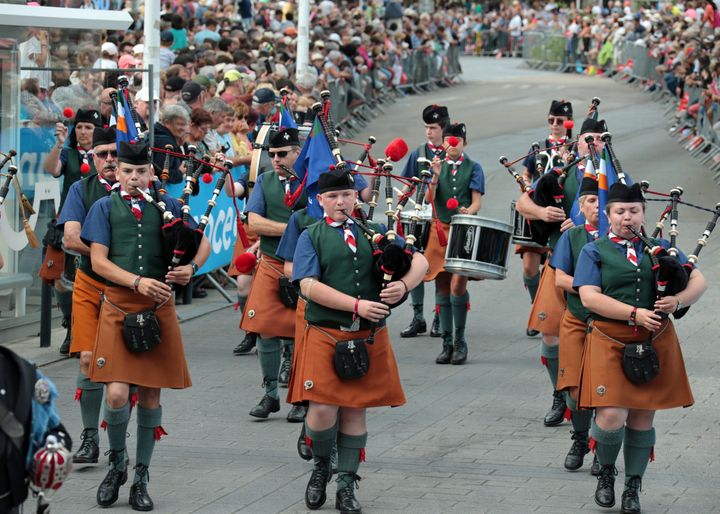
<point>93,190</point>
<point>303,219</point>
<point>341,269</point>
<point>136,246</point>
<point>623,280</point>
<point>578,238</point>
<point>276,210</point>
<point>450,186</point>
<point>71,173</point>
<point>570,189</point>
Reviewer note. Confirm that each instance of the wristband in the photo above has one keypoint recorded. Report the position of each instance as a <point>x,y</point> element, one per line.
<point>356,312</point>
<point>194,266</point>
<point>679,304</point>
<point>136,283</point>
<point>404,285</point>
<point>633,317</point>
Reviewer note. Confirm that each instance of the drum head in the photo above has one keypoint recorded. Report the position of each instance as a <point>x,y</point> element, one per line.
<point>478,247</point>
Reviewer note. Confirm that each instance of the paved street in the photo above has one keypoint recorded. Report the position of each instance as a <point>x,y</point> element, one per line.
<point>470,439</point>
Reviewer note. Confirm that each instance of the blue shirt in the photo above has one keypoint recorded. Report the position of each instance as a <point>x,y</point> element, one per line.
<point>562,257</point>
<point>289,239</point>
<point>411,166</point>
<point>206,34</point>
<point>477,179</point>
<point>74,206</point>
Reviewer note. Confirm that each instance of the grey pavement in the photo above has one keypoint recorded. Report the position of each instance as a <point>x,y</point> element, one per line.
<point>470,439</point>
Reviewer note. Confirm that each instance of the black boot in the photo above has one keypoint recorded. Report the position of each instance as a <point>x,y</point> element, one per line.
<point>595,468</point>
<point>284,375</point>
<point>246,345</point>
<point>297,414</point>
<point>531,332</point>
<point>139,497</point>
<point>630,497</point>
<point>556,414</point>
<point>303,447</point>
<point>107,493</point>
<point>417,326</point>
<point>605,492</point>
<point>460,351</point>
<point>267,405</point>
<point>315,495</point>
<point>578,450</point>
<point>345,500</point>
<point>88,452</point>
<point>447,351</point>
<point>65,346</point>
<point>435,329</point>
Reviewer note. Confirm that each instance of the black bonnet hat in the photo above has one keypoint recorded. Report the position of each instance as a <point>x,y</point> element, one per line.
<point>589,186</point>
<point>619,192</point>
<point>284,137</point>
<point>88,116</point>
<point>591,125</point>
<point>335,180</point>
<point>435,114</point>
<point>103,136</point>
<point>136,154</point>
<point>455,129</point>
<point>561,108</point>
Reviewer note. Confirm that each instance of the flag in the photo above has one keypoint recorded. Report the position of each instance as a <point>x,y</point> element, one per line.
<point>606,178</point>
<point>286,117</point>
<point>315,158</point>
<point>125,129</point>
<point>575,214</point>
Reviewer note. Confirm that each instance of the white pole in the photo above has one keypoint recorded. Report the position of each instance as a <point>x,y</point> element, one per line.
<point>151,53</point>
<point>303,39</point>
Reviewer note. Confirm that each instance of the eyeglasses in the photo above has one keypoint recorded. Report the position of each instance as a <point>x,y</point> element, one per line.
<point>555,121</point>
<point>280,155</point>
<point>104,155</point>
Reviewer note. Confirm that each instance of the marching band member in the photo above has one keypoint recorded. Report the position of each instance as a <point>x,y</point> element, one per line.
<point>89,286</point>
<point>344,300</point>
<point>435,118</point>
<point>456,187</point>
<point>125,239</point>
<point>616,284</point>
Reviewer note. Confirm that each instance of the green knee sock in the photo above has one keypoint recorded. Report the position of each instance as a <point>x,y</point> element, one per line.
<point>446,314</point>
<point>581,420</point>
<point>459,313</point>
<point>322,440</point>
<point>350,449</point>
<point>607,443</point>
<point>288,346</point>
<point>637,450</point>
<point>241,303</point>
<point>549,357</point>
<point>417,297</point>
<point>269,354</point>
<point>147,420</point>
<point>117,422</point>
<point>532,284</point>
<point>90,403</point>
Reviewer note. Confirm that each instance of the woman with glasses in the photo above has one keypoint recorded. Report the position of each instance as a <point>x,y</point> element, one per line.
<point>200,125</point>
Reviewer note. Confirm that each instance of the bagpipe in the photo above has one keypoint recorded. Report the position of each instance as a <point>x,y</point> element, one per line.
<point>26,209</point>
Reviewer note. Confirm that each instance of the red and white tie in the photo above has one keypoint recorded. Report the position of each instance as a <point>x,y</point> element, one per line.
<point>347,232</point>
<point>629,246</point>
<point>107,185</point>
<point>134,204</point>
<point>455,164</point>
<point>593,231</point>
<point>437,150</point>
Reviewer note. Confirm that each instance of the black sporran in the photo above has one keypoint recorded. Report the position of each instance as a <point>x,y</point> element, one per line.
<point>288,293</point>
<point>640,362</point>
<point>141,331</point>
<point>351,359</point>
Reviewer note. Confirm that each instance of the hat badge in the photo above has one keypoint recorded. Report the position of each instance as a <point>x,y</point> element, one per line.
<point>95,115</point>
<point>565,108</point>
<point>435,116</point>
<point>286,136</point>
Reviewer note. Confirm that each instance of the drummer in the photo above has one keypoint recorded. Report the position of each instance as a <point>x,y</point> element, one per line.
<point>617,285</point>
<point>456,187</point>
<point>435,118</point>
<point>560,112</point>
<point>549,303</point>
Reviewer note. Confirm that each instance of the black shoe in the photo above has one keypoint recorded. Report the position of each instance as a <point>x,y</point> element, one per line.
<point>531,333</point>
<point>139,497</point>
<point>605,492</point>
<point>595,468</point>
<point>267,405</point>
<point>446,354</point>
<point>556,414</point>
<point>246,345</point>
<point>345,500</point>
<point>88,453</point>
<point>199,292</point>
<point>315,495</point>
<point>65,346</point>
<point>303,448</point>
<point>284,375</point>
<point>578,450</point>
<point>630,499</point>
<point>460,351</point>
<point>416,327</point>
<point>435,329</point>
<point>297,414</point>
<point>107,493</point>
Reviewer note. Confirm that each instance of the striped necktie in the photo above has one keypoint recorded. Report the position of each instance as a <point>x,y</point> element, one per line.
<point>134,204</point>
<point>108,186</point>
<point>629,246</point>
<point>593,231</point>
<point>455,164</point>
<point>347,232</point>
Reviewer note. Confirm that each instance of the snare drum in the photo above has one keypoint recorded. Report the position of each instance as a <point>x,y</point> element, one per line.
<point>422,228</point>
<point>522,234</point>
<point>478,247</point>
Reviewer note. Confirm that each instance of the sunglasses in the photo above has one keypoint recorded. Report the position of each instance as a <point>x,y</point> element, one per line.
<point>555,121</point>
<point>104,155</point>
<point>280,155</point>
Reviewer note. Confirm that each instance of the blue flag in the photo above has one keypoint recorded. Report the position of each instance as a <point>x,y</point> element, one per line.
<point>575,214</point>
<point>606,178</point>
<point>125,129</point>
<point>315,158</point>
<point>286,118</point>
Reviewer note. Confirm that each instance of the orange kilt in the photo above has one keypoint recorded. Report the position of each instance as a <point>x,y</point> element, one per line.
<point>299,332</point>
<point>435,252</point>
<point>549,305</point>
<point>86,301</point>
<point>238,249</point>
<point>313,376</point>
<point>604,384</point>
<point>163,366</point>
<point>572,344</point>
<point>540,250</point>
<point>264,313</point>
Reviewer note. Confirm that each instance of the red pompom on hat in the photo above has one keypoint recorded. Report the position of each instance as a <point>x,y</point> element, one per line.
<point>85,168</point>
<point>452,204</point>
<point>68,112</point>
<point>207,178</point>
<point>396,149</point>
<point>568,124</point>
<point>245,262</point>
<point>453,141</point>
